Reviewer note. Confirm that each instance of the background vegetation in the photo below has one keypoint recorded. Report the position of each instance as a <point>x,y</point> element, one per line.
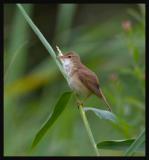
<point>110,40</point>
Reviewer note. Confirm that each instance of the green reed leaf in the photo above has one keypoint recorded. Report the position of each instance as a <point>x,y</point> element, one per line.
<point>58,109</point>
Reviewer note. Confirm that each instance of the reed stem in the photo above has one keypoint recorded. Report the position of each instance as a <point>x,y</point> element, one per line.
<point>88,129</point>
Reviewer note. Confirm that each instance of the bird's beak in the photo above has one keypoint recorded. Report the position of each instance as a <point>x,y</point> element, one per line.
<point>60,57</point>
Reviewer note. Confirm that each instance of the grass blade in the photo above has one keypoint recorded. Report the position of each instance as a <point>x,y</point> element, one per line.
<point>136,144</point>
<point>10,65</point>
<point>117,144</point>
<point>103,114</point>
<point>41,37</point>
<point>63,27</point>
<point>17,47</point>
<point>88,129</point>
<point>58,109</point>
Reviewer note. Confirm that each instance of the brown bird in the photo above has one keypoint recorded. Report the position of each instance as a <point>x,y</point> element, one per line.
<point>81,79</point>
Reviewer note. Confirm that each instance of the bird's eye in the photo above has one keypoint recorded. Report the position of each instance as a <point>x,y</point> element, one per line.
<point>69,56</point>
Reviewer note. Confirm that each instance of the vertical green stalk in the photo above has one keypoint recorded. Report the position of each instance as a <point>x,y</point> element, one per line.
<point>88,129</point>
<point>40,36</point>
<point>52,53</point>
<point>136,144</point>
<point>17,48</point>
<point>63,25</point>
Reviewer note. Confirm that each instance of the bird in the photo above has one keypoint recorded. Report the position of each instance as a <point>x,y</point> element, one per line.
<point>83,81</point>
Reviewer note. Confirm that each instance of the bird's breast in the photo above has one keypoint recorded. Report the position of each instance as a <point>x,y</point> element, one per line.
<point>77,86</point>
<point>68,67</point>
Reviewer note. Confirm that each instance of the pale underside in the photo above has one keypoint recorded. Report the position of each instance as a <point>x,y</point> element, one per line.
<point>74,82</point>
<point>78,87</point>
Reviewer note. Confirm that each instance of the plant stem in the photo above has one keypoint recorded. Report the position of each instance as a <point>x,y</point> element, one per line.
<point>51,51</point>
<point>133,147</point>
<point>88,129</point>
<point>41,37</point>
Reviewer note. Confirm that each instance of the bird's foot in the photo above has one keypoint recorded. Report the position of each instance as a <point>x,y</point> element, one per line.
<point>79,104</point>
<point>110,109</point>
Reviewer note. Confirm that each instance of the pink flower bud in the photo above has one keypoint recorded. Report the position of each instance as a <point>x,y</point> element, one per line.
<point>127,25</point>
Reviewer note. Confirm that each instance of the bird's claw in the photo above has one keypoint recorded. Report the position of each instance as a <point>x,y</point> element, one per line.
<point>79,104</point>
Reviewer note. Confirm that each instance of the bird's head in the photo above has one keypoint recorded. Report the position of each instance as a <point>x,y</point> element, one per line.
<point>70,58</point>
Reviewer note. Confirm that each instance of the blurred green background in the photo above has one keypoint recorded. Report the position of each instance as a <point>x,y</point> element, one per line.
<point>110,39</point>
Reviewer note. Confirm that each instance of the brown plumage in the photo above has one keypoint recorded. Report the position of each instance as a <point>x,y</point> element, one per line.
<point>81,79</point>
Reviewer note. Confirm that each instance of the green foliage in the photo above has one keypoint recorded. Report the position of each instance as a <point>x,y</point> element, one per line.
<point>140,140</point>
<point>116,54</point>
<point>18,43</point>
<point>64,24</point>
<point>118,144</point>
<point>88,129</point>
<point>102,114</point>
<point>40,36</point>
<point>58,109</point>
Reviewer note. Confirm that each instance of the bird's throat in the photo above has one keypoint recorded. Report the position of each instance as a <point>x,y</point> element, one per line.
<point>68,67</point>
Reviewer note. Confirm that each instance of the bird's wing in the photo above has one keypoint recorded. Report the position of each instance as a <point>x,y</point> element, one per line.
<point>90,80</point>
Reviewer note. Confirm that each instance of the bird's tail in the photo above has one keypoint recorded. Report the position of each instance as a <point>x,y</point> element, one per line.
<point>105,100</point>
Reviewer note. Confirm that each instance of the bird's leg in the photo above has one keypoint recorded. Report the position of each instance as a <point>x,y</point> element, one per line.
<point>85,98</point>
<point>78,101</point>
<point>81,102</point>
